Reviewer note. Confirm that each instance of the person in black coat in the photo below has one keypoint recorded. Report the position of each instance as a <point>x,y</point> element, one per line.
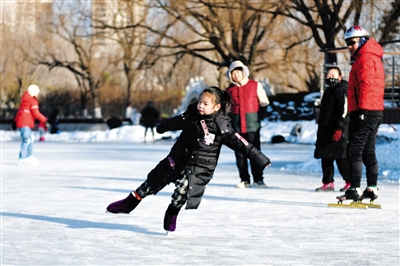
<point>149,117</point>
<point>332,134</point>
<point>193,158</point>
<point>53,121</point>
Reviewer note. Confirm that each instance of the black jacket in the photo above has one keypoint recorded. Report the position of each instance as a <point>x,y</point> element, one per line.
<point>150,115</point>
<point>191,156</point>
<point>333,115</point>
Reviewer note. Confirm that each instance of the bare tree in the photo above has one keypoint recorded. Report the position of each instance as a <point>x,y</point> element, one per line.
<point>217,32</point>
<point>16,72</point>
<point>324,18</point>
<point>134,55</point>
<point>71,30</point>
<point>390,27</point>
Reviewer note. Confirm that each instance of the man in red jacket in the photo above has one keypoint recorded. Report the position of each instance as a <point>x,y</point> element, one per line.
<point>365,102</point>
<point>247,96</point>
<point>27,112</point>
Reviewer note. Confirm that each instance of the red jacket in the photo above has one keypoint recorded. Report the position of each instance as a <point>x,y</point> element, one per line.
<point>28,111</point>
<point>245,107</point>
<point>367,79</point>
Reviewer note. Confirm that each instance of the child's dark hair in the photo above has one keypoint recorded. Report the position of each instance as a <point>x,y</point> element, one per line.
<point>335,67</point>
<point>221,97</point>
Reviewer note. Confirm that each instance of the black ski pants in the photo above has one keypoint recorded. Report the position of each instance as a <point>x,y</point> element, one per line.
<point>361,150</point>
<point>328,170</point>
<point>242,161</point>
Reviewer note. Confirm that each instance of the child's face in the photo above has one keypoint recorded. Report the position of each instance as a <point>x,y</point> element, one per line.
<point>206,104</point>
<point>237,75</point>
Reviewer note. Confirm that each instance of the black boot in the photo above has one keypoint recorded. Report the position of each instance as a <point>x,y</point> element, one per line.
<point>170,218</point>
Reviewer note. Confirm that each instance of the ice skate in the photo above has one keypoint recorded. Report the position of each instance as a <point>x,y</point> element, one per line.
<point>259,184</point>
<point>170,218</point>
<point>354,194</point>
<point>31,160</point>
<point>244,184</point>
<point>372,194</point>
<point>350,194</point>
<point>124,206</point>
<point>330,187</point>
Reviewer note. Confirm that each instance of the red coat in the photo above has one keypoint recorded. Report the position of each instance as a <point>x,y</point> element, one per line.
<point>28,111</point>
<point>367,79</point>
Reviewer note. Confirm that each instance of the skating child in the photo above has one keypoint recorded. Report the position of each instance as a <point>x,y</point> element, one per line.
<point>192,160</point>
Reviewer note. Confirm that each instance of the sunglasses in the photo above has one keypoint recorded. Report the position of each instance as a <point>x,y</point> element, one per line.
<point>349,43</point>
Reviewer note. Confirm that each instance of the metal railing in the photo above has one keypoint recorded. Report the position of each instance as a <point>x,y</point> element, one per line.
<point>392,78</point>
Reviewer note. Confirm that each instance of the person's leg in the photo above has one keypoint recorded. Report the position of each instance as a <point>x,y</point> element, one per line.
<point>26,145</point>
<point>152,132</point>
<point>242,165</point>
<point>179,198</point>
<point>357,139</point>
<point>145,133</point>
<point>42,132</point>
<point>254,139</point>
<point>156,181</point>
<point>327,171</point>
<point>344,169</point>
<point>369,156</point>
<point>327,176</point>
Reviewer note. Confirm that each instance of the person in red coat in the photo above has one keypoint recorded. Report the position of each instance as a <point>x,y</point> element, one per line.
<point>365,102</point>
<point>27,112</point>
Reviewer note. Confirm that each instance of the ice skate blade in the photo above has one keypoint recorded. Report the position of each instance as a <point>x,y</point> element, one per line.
<point>369,205</point>
<point>351,205</point>
<point>106,211</point>
<point>356,205</point>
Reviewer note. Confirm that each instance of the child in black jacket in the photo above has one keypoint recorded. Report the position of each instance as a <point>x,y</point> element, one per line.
<point>192,160</point>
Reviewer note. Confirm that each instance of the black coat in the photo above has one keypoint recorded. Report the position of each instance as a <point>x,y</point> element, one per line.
<point>190,155</point>
<point>150,115</point>
<point>333,115</point>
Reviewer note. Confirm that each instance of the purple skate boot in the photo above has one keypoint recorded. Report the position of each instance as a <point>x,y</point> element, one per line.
<point>126,205</point>
<point>170,218</point>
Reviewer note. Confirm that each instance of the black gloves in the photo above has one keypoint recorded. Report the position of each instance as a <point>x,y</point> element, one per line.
<point>362,118</point>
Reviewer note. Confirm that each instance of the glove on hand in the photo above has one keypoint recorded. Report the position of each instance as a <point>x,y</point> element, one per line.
<point>337,135</point>
<point>362,118</point>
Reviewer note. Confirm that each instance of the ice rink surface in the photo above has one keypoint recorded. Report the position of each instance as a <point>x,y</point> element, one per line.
<point>54,213</point>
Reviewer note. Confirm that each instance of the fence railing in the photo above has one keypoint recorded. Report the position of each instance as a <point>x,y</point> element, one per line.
<point>392,78</point>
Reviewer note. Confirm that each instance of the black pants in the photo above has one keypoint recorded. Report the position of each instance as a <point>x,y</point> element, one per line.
<point>361,150</point>
<point>241,160</point>
<point>178,198</point>
<point>151,129</point>
<point>328,170</point>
